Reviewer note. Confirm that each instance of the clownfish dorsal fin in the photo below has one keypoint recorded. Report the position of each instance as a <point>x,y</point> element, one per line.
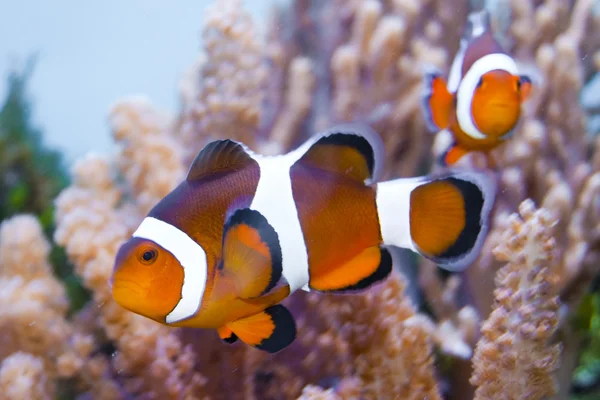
<point>480,39</point>
<point>352,150</point>
<point>361,271</point>
<point>478,23</point>
<point>251,254</point>
<point>271,330</point>
<point>219,156</point>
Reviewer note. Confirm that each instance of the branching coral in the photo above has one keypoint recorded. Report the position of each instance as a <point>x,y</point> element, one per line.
<point>23,376</point>
<point>322,63</point>
<point>518,332</point>
<point>399,361</point>
<point>228,89</point>
<point>32,318</point>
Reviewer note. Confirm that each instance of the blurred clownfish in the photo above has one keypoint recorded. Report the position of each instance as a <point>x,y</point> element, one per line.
<point>243,231</point>
<point>481,104</point>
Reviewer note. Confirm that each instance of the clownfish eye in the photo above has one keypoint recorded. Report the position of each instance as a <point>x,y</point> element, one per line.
<point>148,256</point>
<point>480,82</point>
<point>519,83</point>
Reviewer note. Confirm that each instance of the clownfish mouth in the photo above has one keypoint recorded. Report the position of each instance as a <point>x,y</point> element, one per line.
<point>123,289</point>
<point>500,106</point>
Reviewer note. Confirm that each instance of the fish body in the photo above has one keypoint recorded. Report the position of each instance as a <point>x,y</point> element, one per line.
<point>480,105</point>
<point>243,231</point>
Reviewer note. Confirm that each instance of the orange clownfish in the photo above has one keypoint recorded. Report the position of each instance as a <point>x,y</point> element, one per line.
<point>481,104</point>
<point>243,231</point>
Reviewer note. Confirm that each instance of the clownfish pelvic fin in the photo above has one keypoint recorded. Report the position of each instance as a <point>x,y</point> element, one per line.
<point>455,152</point>
<point>271,330</point>
<point>452,154</point>
<point>251,254</point>
<point>444,218</point>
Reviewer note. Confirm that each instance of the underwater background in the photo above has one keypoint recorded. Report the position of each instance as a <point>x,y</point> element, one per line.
<point>522,322</point>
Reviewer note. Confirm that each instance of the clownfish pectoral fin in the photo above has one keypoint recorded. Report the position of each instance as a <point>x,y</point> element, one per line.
<point>367,268</point>
<point>251,253</point>
<point>352,150</point>
<point>220,156</point>
<point>436,102</point>
<point>227,335</point>
<point>444,218</point>
<point>452,155</point>
<point>525,86</point>
<point>271,330</point>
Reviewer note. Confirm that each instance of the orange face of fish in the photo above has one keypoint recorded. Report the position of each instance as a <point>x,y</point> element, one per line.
<point>496,104</point>
<point>147,279</point>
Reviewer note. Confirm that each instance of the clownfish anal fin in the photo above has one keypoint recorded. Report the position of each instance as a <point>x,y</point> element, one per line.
<point>352,150</point>
<point>219,156</point>
<point>271,330</point>
<point>367,268</point>
<point>251,254</point>
<point>227,335</point>
<point>436,102</point>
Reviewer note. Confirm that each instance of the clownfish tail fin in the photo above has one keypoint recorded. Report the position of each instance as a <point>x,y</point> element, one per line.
<point>444,218</point>
<point>436,101</point>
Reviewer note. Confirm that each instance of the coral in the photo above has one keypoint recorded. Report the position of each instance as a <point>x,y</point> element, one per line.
<point>23,376</point>
<point>515,358</point>
<point>400,360</point>
<point>465,335</point>
<point>35,320</point>
<point>311,392</point>
<point>229,86</point>
<point>37,340</point>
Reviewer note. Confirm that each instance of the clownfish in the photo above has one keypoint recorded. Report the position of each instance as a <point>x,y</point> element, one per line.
<point>481,103</point>
<point>244,231</point>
